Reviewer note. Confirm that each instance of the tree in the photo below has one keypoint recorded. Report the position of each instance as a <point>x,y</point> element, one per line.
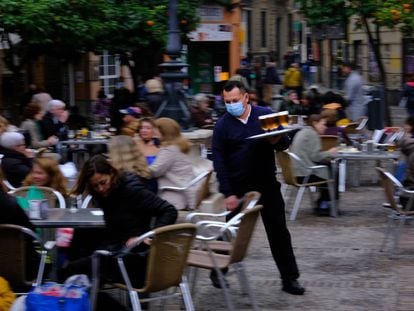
<point>371,15</point>
<point>67,28</point>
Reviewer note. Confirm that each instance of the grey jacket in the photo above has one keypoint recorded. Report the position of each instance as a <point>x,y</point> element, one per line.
<point>174,168</point>
<point>307,146</point>
<point>355,96</point>
<point>34,130</point>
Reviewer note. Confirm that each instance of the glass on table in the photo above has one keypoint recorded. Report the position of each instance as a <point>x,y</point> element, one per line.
<point>71,134</point>
<point>391,147</point>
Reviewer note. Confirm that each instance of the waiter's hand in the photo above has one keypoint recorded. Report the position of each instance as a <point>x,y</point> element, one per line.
<point>274,139</point>
<point>232,202</point>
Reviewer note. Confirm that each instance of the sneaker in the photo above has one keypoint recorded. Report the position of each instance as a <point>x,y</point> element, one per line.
<point>386,205</point>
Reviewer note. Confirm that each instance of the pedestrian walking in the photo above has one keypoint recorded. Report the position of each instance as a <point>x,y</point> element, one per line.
<point>408,94</point>
<point>354,92</point>
<point>244,165</point>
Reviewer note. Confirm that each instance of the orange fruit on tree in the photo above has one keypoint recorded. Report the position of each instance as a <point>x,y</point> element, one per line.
<point>150,23</point>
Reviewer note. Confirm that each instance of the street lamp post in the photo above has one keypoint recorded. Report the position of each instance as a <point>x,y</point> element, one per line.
<point>174,105</point>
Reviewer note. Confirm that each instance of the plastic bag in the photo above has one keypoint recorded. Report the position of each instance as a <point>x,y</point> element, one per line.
<point>71,296</point>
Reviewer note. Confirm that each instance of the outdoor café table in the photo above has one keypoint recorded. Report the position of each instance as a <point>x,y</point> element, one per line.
<point>80,143</point>
<point>378,155</point>
<point>66,217</point>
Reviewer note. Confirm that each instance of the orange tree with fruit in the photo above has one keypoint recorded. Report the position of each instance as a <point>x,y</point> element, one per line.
<point>370,16</point>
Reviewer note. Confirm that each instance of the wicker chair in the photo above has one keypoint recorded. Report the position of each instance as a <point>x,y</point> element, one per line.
<point>285,160</point>
<point>329,141</point>
<point>397,212</point>
<point>166,262</point>
<point>206,258</point>
<point>16,242</point>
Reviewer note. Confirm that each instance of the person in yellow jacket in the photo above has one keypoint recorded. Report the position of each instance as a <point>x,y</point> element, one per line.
<point>7,296</point>
<point>293,79</point>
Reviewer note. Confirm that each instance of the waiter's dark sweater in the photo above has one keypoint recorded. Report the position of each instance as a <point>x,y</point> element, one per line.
<point>243,164</point>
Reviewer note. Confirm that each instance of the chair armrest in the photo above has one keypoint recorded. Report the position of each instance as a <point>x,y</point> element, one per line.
<point>191,183</point>
<point>190,216</point>
<point>49,245</point>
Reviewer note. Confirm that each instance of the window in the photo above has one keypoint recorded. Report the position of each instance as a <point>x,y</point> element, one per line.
<point>263,29</point>
<point>109,72</point>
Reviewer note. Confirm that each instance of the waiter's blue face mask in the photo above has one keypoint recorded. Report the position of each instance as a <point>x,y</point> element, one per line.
<point>235,109</point>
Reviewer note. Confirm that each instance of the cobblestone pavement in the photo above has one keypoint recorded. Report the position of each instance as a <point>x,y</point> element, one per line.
<point>339,259</point>
<point>341,266</point>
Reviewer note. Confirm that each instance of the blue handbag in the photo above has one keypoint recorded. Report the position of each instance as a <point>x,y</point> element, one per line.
<point>58,297</point>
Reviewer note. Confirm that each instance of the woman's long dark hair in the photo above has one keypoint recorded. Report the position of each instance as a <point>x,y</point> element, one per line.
<point>97,164</point>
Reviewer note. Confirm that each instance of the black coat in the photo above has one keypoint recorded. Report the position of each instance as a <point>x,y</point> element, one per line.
<point>12,213</point>
<point>49,126</point>
<point>130,207</point>
<point>15,166</point>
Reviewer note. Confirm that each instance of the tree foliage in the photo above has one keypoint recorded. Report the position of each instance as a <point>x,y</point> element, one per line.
<point>394,14</point>
<point>66,27</point>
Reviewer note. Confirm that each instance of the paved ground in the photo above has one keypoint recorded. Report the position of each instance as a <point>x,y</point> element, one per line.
<point>339,259</point>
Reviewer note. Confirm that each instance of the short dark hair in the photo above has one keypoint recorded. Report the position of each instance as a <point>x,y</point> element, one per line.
<point>31,110</point>
<point>231,84</point>
<point>349,64</point>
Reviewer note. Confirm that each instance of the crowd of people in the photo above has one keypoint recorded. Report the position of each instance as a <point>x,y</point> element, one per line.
<point>148,154</point>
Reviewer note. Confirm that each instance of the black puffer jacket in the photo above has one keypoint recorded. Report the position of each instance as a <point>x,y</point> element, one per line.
<point>15,166</point>
<point>129,208</point>
<point>12,213</point>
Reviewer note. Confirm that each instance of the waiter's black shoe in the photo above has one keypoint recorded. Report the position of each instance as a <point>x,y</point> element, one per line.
<point>293,287</point>
<point>215,279</point>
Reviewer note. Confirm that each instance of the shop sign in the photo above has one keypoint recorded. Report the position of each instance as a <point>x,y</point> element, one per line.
<point>211,13</point>
<point>212,32</point>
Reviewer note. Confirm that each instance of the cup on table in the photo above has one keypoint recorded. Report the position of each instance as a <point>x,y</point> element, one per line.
<point>71,134</point>
<point>391,147</point>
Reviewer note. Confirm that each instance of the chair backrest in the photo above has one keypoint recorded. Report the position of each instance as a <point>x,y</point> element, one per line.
<point>362,123</point>
<point>204,190</point>
<point>329,141</point>
<point>55,198</point>
<point>250,200</point>
<point>285,163</point>
<point>168,254</point>
<point>351,128</point>
<point>244,234</point>
<point>389,183</point>
<point>16,242</point>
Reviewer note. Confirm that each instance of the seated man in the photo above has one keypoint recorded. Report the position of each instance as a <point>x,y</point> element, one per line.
<point>54,121</point>
<point>17,160</point>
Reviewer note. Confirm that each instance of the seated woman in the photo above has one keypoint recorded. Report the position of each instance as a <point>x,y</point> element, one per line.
<point>331,116</point>
<point>147,143</point>
<point>17,160</point>
<point>125,156</point>
<point>33,114</point>
<point>173,166</point>
<point>129,211</point>
<point>46,173</point>
<point>307,146</point>
<point>200,111</point>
